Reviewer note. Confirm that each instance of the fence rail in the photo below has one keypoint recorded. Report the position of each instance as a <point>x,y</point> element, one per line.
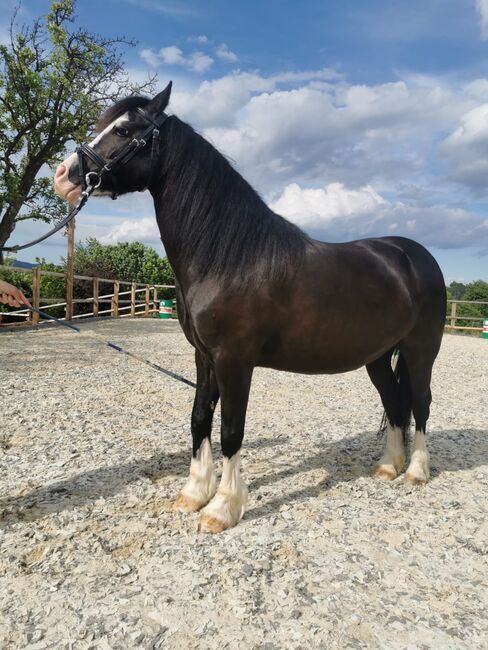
<point>148,304</point>
<point>453,317</point>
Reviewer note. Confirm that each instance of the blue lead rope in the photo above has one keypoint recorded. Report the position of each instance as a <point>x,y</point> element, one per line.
<point>114,346</point>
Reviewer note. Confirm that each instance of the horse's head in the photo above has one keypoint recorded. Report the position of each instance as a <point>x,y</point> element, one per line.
<point>121,157</point>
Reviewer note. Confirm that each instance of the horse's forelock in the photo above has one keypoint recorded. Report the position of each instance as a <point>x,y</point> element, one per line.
<point>118,109</point>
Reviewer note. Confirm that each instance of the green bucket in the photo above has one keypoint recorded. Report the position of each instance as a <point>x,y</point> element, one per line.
<point>165,308</point>
<point>484,333</point>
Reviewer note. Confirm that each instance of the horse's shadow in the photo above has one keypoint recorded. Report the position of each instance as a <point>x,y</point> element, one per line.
<point>451,451</point>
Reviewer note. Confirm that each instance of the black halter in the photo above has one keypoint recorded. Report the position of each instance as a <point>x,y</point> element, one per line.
<point>94,178</point>
<point>90,180</point>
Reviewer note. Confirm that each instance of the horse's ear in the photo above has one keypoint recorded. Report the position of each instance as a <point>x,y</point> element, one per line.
<point>158,103</point>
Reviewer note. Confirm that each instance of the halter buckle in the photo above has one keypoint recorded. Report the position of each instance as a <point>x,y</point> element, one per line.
<point>96,183</point>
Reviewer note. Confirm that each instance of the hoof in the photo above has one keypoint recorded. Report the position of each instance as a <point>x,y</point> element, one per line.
<point>415,480</point>
<point>385,472</point>
<point>209,524</point>
<point>185,504</point>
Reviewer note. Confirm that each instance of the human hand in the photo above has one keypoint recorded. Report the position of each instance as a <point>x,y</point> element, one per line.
<point>12,296</point>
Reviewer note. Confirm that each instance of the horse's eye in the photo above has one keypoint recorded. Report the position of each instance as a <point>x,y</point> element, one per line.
<point>122,131</point>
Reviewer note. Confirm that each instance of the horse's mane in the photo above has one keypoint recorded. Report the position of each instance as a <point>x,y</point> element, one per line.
<point>224,226</point>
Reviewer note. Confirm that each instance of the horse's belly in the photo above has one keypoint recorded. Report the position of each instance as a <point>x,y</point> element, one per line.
<point>314,364</point>
<point>317,350</point>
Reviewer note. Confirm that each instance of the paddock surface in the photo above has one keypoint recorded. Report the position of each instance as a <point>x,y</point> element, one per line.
<point>94,446</point>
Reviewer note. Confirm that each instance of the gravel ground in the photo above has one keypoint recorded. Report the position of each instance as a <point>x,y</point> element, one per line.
<point>95,446</point>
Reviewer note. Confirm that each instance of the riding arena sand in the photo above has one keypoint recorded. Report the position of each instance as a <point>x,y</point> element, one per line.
<point>94,447</point>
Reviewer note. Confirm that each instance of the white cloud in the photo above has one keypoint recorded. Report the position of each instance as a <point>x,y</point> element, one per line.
<point>172,55</point>
<point>201,39</point>
<point>322,128</point>
<point>338,213</point>
<point>199,61</point>
<point>466,150</point>
<point>144,230</point>
<point>482,7</point>
<point>225,54</point>
<point>311,208</point>
<point>220,102</point>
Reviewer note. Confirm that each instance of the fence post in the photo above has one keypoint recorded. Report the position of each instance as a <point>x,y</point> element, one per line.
<point>36,292</point>
<point>96,287</point>
<point>453,313</point>
<point>155,297</point>
<point>115,300</point>
<point>133,299</point>
<point>146,306</point>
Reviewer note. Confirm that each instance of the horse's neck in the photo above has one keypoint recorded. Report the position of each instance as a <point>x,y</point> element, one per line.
<point>194,198</point>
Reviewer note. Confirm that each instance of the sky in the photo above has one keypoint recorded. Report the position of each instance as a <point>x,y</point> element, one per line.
<point>353,119</point>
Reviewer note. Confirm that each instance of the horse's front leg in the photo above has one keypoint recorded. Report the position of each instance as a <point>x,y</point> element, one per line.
<point>201,484</point>
<point>229,504</point>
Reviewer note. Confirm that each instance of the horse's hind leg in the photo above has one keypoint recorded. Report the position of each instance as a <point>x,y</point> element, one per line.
<point>200,486</point>
<point>397,408</point>
<point>419,363</point>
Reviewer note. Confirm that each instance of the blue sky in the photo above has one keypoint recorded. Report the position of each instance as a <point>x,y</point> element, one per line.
<point>351,118</point>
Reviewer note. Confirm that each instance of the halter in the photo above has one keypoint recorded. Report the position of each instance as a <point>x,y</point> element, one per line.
<point>91,180</point>
<point>94,178</point>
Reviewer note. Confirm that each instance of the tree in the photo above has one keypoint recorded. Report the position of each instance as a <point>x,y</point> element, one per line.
<point>477,290</point>
<point>134,262</point>
<point>456,290</point>
<point>55,80</point>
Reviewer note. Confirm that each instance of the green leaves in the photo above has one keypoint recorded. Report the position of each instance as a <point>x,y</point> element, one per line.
<point>134,262</point>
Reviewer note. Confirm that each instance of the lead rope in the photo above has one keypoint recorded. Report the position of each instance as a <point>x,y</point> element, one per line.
<point>116,347</point>
<point>70,216</point>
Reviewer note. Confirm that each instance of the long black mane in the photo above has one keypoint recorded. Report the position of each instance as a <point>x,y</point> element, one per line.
<point>228,230</point>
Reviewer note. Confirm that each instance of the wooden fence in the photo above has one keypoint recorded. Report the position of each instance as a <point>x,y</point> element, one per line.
<point>127,300</point>
<point>453,317</point>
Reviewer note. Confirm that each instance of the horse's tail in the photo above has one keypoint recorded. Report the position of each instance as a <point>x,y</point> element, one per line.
<point>405,407</point>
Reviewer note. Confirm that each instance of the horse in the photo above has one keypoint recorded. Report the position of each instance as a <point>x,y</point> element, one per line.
<point>255,290</point>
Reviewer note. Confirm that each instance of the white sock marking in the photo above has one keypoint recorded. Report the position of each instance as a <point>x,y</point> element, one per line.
<point>229,504</point>
<point>393,456</point>
<point>419,463</point>
<point>201,484</point>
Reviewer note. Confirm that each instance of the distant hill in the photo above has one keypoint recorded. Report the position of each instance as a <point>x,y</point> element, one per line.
<point>24,265</point>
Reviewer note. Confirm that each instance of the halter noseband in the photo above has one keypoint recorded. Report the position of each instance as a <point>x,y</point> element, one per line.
<point>90,180</point>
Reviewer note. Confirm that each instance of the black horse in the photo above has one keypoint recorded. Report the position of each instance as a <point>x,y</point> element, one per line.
<point>254,290</point>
